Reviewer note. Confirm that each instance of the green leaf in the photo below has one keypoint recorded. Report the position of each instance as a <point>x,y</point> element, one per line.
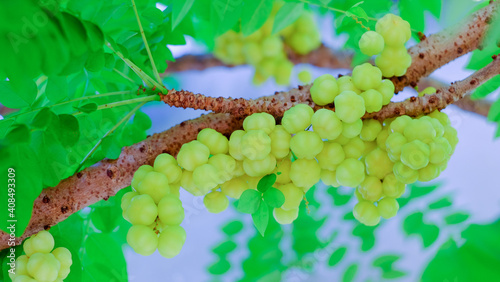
<point>366,233</point>
<point>26,165</point>
<point>350,273</point>
<point>153,15</point>
<point>429,235</point>
<point>220,267</point>
<point>180,10</point>
<point>413,11</point>
<point>287,15</point>
<point>337,256</point>
<point>385,262</point>
<point>419,191</point>
<point>393,274</point>
<point>232,227</point>
<point>94,35</point>
<point>478,256</point>
<point>107,215</point>
<point>357,12</point>
<point>17,94</point>
<point>95,62</point>
<point>142,120</point>
<point>249,201</point>
<point>224,248</point>
<point>57,88</point>
<point>224,14</point>
<point>75,32</point>
<point>266,182</point>
<point>441,203</point>
<point>255,13</point>
<point>69,131</point>
<point>338,199</point>
<point>494,113</point>
<point>19,134</point>
<point>87,108</point>
<point>110,147</point>
<point>274,198</point>
<point>44,118</point>
<point>109,61</point>
<point>456,218</point>
<point>487,88</point>
<point>261,218</point>
<point>103,259</point>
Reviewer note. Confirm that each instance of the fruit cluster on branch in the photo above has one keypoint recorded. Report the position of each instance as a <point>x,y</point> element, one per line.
<point>109,176</point>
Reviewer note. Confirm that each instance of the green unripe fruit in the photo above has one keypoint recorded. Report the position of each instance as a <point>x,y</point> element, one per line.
<point>371,43</point>
<point>142,239</point>
<point>171,241</point>
<point>388,207</point>
<point>297,118</point>
<point>366,213</point>
<point>324,90</point>
<point>256,145</point>
<point>142,210</point>
<point>216,202</point>
<point>285,216</point>
<point>366,76</point>
<point>43,267</point>
<point>263,121</point>
<point>306,144</point>
<point>170,210</point>
<point>349,106</point>
<point>192,155</point>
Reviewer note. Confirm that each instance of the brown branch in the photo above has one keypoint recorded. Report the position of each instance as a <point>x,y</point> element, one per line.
<point>452,43</point>
<point>108,176</point>
<point>275,105</point>
<point>322,57</point>
<point>480,107</point>
<point>281,101</point>
<point>416,106</point>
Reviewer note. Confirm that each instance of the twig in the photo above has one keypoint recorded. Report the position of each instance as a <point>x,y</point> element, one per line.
<point>445,96</point>
<point>480,107</point>
<point>322,57</point>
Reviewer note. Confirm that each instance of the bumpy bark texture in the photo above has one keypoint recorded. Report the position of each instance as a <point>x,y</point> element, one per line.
<point>416,106</point>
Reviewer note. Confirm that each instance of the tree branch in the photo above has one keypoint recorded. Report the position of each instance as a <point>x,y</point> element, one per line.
<point>277,104</point>
<point>480,107</point>
<point>108,176</point>
<point>322,57</point>
<point>416,106</point>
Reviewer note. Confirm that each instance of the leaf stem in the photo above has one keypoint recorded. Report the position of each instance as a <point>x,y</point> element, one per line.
<point>155,70</point>
<point>145,77</point>
<point>124,75</point>
<point>333,9</point>
<point>122,103</point>
<point>124,119</point>
<point>73,100</point>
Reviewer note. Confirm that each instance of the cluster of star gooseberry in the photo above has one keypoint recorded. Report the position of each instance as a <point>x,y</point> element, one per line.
<point>41,262</point>
<point>376,158</point>
<point>266,51</point>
